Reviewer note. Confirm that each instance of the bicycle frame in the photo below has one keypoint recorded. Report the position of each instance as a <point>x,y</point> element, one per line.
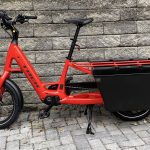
<point>15,53</point>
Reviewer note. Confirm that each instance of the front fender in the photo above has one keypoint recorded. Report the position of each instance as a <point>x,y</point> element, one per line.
<point>18,91</point>
<point>3,78</point>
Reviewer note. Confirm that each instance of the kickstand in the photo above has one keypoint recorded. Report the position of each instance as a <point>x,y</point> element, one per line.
<point>89,108</point>
<point>85,111</point>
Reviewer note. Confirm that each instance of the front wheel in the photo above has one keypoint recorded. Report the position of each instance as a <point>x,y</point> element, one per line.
<point>9,106</point>
<point>132,115</point>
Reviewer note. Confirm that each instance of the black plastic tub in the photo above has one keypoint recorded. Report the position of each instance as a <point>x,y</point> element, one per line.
<point>124,88</point>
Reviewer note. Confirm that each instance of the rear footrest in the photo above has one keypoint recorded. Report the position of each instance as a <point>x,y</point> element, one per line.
<point>82,86</point>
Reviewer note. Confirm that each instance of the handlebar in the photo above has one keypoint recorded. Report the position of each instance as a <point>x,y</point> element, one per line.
<point>1,15</point>
<point>30,17</point>
<point>8,24</point>
<point>4,16</point>
<point>20,18</point>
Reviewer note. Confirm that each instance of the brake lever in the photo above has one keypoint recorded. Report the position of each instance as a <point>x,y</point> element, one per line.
<point>78,47</point>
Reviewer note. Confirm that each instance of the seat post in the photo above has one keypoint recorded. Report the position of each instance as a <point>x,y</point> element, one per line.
<point>73,44</point>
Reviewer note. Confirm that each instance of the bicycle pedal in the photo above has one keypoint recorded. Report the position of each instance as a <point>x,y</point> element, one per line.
<point>43,114</point>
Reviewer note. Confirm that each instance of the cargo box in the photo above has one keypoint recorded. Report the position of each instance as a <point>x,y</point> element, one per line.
<point>124,88</point>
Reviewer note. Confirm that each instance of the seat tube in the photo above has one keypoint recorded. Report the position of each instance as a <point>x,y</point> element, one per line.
<point>73,42</point>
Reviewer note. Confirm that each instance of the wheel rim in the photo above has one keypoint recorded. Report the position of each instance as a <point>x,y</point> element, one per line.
<point>133,114</point>
<point>6,106</point>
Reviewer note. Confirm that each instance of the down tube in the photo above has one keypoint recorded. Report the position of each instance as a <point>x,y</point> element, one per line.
<point>29,72</point>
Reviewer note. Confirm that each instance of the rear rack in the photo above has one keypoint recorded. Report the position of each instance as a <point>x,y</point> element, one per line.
<point>114,63</point>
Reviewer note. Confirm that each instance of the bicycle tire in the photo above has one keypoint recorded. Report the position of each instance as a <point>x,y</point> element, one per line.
<point>130,116</point>
<point>16,107</point>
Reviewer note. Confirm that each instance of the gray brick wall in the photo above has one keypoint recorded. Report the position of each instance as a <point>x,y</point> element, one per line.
<point>120,30</point>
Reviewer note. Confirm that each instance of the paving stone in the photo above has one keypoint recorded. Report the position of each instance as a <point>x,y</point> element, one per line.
<point>66,139</point>
<point>99,127</point>
<point>108,140</point>
<point>115,132</point>
<point>96,144</point>
<point>127,130</point>
<point>143,134</point>
<point>111,127</point>
<point>37,139</point>
<point>3,142</point>
<point>13,145</point>
<point>51,134</point>
<point>130,148</point>
<point>78,132</point>
<point>38,132</point>
<point>140,128</point>
<point>71,121</point>
<point>119,138</point>
<point>81,142</point>
<point>65,147</point>
<point>131,136</point>
<point>47,123</point>
<point>113,146</point>
<point>131,143</point>
<point>26,147</point>
<point>47,144</point>
<point>145,147</point>
<point>18,137</point>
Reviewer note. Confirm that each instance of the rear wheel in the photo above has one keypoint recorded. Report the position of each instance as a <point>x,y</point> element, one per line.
<point>132,115</point>
<point>9,106</point>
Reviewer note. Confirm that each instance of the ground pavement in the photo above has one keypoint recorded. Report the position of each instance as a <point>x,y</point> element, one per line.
<point>65,130</point>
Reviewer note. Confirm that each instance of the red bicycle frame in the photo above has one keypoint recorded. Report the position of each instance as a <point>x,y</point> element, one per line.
<point>15,53</point>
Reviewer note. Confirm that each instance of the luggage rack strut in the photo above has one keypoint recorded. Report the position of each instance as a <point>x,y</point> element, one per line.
<point>114,63</point>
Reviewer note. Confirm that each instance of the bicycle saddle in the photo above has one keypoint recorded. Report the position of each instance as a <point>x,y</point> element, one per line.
<point>79,21</point>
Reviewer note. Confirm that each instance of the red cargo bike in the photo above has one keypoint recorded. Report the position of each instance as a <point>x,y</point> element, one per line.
<point>122,87</point>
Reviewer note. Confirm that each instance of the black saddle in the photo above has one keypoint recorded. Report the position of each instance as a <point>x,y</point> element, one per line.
<point>79,21</point>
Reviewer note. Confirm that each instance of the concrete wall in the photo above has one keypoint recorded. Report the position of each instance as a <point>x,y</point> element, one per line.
<point>120,31</point>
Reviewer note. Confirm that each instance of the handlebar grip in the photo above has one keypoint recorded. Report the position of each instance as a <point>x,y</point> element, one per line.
<point>30,17</point>
<point>2,14</point>
<point>5,16</point>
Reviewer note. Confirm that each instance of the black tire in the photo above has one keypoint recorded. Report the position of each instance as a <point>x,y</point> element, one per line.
<point>20,95</point>
<point>132,115</point>
<point>11,93</point>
